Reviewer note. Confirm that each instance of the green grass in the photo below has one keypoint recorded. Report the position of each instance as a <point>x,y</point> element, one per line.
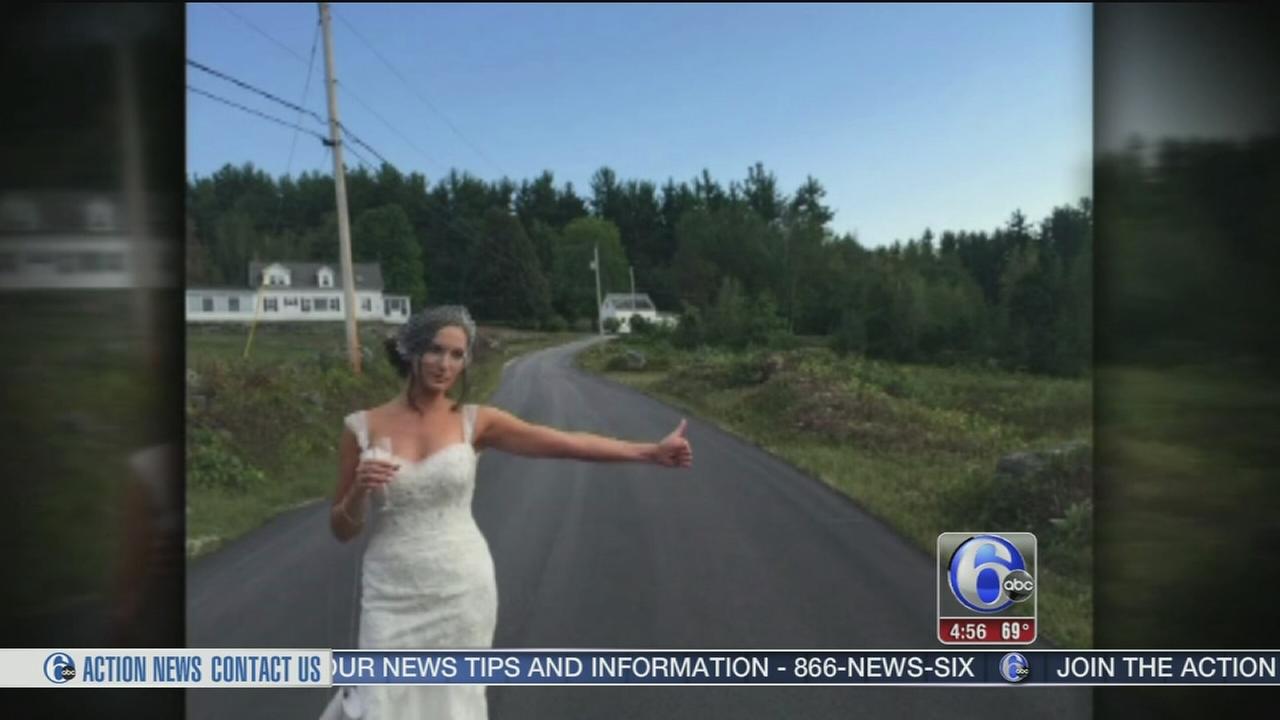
<point>914,445</point>
<point>1191,496</point>
<point>265,440</point>
<point>79,398</point>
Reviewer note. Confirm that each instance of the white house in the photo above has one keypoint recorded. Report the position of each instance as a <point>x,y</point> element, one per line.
<point>82,240</point>
<point>624,305</point>
<point>297,292</point>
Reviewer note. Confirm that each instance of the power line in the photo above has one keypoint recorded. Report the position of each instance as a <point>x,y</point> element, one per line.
<point>457,224</point>
<point>259,113</point>
<point>306,87</point>
<point>344,88</point>
<point>421,97</point>
<point>241,83</point>
<point>293,106</point>
<point>363,144</point>
<point>293,144</point>
<point>384,121</point>
<point>263,33</point>
<point>360,158</point>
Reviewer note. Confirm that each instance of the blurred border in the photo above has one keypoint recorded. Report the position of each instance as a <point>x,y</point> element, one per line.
<point>1187,186</point>
<point>91,355</point>
<point>1187,398</point>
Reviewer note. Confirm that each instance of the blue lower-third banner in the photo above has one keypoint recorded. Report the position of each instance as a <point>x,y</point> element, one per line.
<point>888,667</point>
<point>257,667</point>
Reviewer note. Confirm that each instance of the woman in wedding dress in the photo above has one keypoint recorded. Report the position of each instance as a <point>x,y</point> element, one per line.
<point>408,466</point>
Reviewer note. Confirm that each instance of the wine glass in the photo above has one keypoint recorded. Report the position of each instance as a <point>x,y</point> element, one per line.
<point>384,452</point>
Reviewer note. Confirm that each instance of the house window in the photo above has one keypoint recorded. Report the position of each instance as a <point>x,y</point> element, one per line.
<point>306,304</point>
<point>113,262</point>
<point>326,279</point>
<point>66,263</point>
<point>366,305</point>
<point>233,304</point>
<point>206,304</point>
<point>269,305</point>
<point>335,304</point>
<point>291,301</point>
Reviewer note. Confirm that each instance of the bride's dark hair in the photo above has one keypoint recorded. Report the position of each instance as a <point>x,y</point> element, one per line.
<point>405,348</point>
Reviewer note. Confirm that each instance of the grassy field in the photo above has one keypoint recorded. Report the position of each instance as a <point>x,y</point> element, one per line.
<point>80,396</point>
<point>262,432</point>
<point>914,445</point>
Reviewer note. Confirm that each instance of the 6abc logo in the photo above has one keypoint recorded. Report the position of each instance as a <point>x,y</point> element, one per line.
<point>59,668</point>
<point>987,587</point>
<point>988,573</point>
<point>1014,667</point>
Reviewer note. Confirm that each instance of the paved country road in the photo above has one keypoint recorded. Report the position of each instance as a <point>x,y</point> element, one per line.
<point>742,551</point>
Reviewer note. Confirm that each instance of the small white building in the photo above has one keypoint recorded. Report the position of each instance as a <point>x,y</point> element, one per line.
<point>297,292</point>
<point>82,240</point>
<point>624,305</point>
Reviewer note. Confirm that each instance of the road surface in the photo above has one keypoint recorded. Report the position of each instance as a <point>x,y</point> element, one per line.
<point>741,551</point>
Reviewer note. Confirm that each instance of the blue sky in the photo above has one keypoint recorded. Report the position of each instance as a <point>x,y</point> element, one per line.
<point>940,116</point>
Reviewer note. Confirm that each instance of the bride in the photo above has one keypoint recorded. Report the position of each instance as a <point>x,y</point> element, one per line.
<point>427,578</point>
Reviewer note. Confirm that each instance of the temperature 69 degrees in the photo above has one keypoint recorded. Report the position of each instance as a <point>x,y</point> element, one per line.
<point>986,588</point>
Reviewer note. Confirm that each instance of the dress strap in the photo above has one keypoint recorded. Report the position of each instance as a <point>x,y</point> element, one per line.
<point>358,424</point>
<point>468,423</point>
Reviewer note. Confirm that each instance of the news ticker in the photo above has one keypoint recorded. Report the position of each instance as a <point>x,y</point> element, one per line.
<point>246,667</point>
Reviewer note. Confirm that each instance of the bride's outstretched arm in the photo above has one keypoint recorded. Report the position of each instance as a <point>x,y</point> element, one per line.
<point>501,430</point>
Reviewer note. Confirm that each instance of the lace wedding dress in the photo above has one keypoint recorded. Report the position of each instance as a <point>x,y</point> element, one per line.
<point>427,580</point>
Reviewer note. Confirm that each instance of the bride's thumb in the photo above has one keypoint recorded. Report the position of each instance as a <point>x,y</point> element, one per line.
<point>679,431</point>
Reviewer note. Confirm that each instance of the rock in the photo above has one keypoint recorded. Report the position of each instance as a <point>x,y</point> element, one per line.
<point>1048,481</point>
<point>636,360</point>
<point>1021,464</point>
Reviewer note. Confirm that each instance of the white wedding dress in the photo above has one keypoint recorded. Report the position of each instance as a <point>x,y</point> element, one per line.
<point>428,580</point>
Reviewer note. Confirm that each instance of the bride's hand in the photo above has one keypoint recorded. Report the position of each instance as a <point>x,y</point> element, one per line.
<point>674,450</point>
<point>373,474</point>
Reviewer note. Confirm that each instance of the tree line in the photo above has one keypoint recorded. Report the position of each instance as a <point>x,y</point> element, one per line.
<point>744,263</point>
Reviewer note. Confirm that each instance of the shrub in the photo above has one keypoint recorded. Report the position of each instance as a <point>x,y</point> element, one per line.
<point>213,463</point>
<point>555,323</point>
<point>641,326</point>
<point>690,332</point>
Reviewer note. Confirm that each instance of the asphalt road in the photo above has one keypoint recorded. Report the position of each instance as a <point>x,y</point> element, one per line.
<point>741,551</point>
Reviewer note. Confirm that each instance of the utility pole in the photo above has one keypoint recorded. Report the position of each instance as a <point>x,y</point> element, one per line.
<point>340,188</point>
<point>595,265</point>
<point>633,285</point>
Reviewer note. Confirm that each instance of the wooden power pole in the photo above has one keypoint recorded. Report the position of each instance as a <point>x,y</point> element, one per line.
<point>340,188</point>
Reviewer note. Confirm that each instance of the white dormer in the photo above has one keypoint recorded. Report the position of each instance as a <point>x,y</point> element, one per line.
<point>100,216</point>
<point>324,277</point>
<point>19,214</point>
<point>276,274</point>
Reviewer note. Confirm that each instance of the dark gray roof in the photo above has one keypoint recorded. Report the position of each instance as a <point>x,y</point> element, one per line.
<point>627,301</point>
<point>303,274</point>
